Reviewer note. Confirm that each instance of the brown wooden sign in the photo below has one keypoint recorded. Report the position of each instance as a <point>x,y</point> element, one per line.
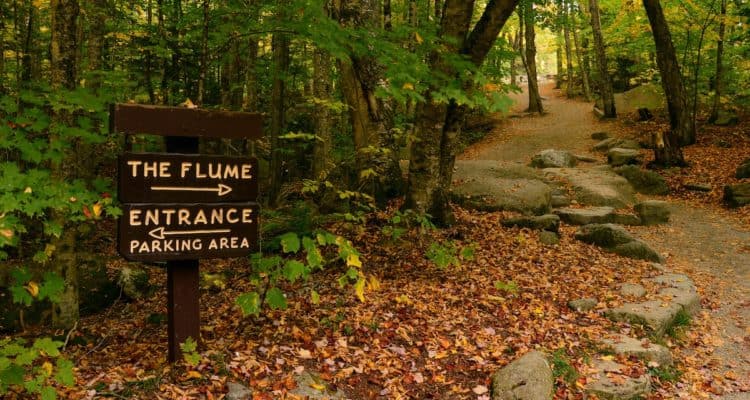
<point>157,232</point>
<point>183,178</point>
<point>180,121</point>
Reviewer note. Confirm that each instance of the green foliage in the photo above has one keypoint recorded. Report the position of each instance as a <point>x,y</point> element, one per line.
<point>448,253</point>
<point>509,287</point>
<point>665,374</point>
<point>561,367</point>
<point>24,290</point>
<point>681,320</point>
<point>306,254</point>
<point>33,369</point>
<point>190,352</point>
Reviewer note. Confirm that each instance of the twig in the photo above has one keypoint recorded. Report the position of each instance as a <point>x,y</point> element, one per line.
<point>67,337</point>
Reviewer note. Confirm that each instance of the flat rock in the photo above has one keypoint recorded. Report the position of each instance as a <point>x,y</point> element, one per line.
<point>492,186</point>
<point>611,143</point>
<point>655,315</point>
<point>308,387</point>
<point>632,290</point>
<point>618,156</point>
<point>547,222</point>
<point>638,250</point>
<point>585,216</point>
<point>641,349</point>
<point>583,305</point>
<point>698,187</point>
<point>585,158</point>
<point>623,388</point>
<point>653,212</point>
<point>549,238</point>
<point>559,200</point>
<point>642,180</point>
<point>604,235</point>
<point>626,219</point>
<point>737,195</point>
<point>551,158</point>
<point>681,290</point>
<point>596,186</point>
<point>236,391</point>
<point>527,378</point>
<point>600,135</point>
<point>743,171</point>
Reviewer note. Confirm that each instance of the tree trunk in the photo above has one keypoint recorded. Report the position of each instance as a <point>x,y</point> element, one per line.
<point>569,88</point>
<point>63,49</point>
<point>280,45</point>
<point>149,56</point>
<point>560,70</point>
<point>250,102</point>
<point>204,56</point>
<point>515,45</point>
<point>2,51</point>
<point>719,79</point>
<point>535,100</point>
<point>387,22</point>
<point>581,65</point>
<point>605,80</point>
<point>98,19</point>
<point>680,121</point>
<point>322,90</point>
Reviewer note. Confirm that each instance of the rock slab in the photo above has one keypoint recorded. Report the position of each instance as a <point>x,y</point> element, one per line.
<point>653,212</point>
<point>527,378</point>
<point>616,239</point>
<point>743,171</point>
<point>622,388</point>
<point>737,195</point>
<point>596,186</point>
<point>641,349</point>
<point>551,158</point>
<point>643,181</point>
<point>237,391</point>
<point>618,156</point>
<point>547,222</point>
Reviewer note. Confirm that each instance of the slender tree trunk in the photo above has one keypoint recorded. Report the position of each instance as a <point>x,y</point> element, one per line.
<point>280,45</point>
<point>438,10</point>
<point>204,55</point>
<point>569,89</point>
<point>719,78</point>
<point>322,90</point>
<point>250,102</point>
<point>535,100</point>
<point>29,59</point>
<point>560,68</point>
<point>98,19</point>
<point>63,49</point>
<point>514,46</point>
<point>2,51</point>
<point>149,56</point>
<point>605,80</point>
<point>387,22</point>
<point>680,121</point>
<point>587,65</point>
<point>581,64</point>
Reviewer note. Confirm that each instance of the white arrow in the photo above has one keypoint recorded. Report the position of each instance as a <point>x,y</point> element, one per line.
<point>221,190</point>
<point>159,233</point>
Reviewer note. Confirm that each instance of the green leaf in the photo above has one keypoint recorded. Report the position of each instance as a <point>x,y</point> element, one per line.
<point>64,374</point>
<point>27,357</point>
<point>293,270</point>
<point>290,242</point>
<point>21,295</point>
<point>189,345</point>
<point>52,287</point>
<point>249,303</point>
<point>48,346</point>
<point>467,253</point>
<point>13,375</point>
<point>275,298</point>
<point>314,297</point>
<point>48,393</point>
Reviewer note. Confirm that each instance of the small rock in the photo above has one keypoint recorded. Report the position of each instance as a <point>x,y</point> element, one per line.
<point>551,158</point>
<point>653,212</point>
<point>641,349</point>
<point>655,315</point>
<point>698,187</point>
<point>611,143</point>
<point>643,181</point>
<point>618,156</point>
<point>549,238</point>
<point>632,290</point>
<point>737,195</point>
<point>558,200</point>
<point>583,305</point>
<point>527,378</point>
<point>312,387</point>
<point>548,222</point>
<point>681,289</point>
<point>604,235</point>
<point>743,171</point>
<point>600,135</point>
<point>722,143</point>
<point>624,388</point>
<point>585,216</point>
<point>584,158</point>
<point>638,250</point>
<point>626,219</point>
<point>238,392</point>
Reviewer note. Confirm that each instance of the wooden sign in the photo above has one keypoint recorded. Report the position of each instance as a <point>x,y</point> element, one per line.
<point>157,232</point>
<point>183,178</point>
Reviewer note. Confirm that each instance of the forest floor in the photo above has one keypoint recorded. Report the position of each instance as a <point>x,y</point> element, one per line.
<point>426,332</point>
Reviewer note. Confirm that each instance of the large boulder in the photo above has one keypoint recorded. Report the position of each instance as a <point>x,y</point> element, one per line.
<point>527,378</point>
<point>618,156</point>
<point>643,181</point>
<point>653,212</point>
<point>604,235</point>
<point>737,195</point>
<point>743,171</point>
<point>598,186</point>
<point>551,158</point>
<point>547,222</point>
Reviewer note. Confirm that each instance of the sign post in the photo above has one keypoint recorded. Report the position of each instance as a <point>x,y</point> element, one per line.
<point>180,206</point>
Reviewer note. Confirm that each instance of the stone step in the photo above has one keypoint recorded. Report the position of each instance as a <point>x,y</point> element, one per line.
<point>642,349</point>
<point>610,381</point>
<point>595,215</point>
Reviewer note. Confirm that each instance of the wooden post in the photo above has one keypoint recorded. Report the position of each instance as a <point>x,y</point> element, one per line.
<point>183,276</point>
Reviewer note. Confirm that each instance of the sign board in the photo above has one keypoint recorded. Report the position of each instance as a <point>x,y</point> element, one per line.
<point>186,178</point>
<point>154,232</point>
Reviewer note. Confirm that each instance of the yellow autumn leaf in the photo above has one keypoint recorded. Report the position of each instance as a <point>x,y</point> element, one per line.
<point>47,367</point>
<point>408,86</point>
<point>359,289</point>
<point>403,299</point>
<point>49,249</point>
<point>27,190</point>
<point>373,283</point>
<point>418,37</point>
<point>194,375</point>
<point>608,358</point>
<point>353,261</point>
<point>318,386</point>
<point>97,208</point>
<point>7,233</point>
<point>32,288</point>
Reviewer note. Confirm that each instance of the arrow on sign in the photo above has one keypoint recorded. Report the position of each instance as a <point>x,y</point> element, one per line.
<point>221,190</point>
<point>160,233</point>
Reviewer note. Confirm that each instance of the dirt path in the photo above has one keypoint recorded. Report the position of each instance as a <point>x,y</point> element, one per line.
<point>699,241</point>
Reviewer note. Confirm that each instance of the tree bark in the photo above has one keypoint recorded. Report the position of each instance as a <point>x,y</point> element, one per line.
<point>250,102</point>
<point>680,121</point>
<point>581,64</point>
<point>280,47</point>
<point>605,80</point>
<point>560,68</point>
<point>535,100</point>
<point>204,55</point>
<point>569,88</point>
<point>322,90</point>
<point>719,78</point>
<point>149,56</point>
<point>63,49</point>
<point>98,18</point>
